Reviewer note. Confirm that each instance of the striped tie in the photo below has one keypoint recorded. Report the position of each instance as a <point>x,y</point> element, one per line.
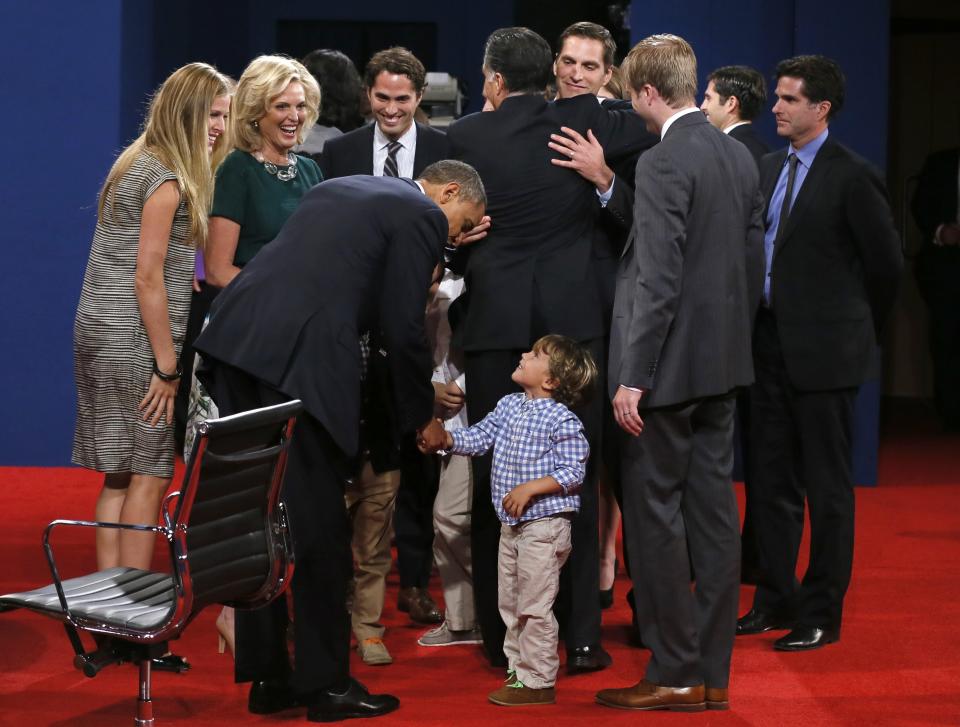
<point>390,165</point>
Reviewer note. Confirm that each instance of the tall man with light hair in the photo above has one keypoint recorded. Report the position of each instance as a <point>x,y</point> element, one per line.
<point>689,284</point>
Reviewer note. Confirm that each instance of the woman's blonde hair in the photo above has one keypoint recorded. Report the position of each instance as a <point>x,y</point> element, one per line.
<point>262,81</point>
<point>176,133</point>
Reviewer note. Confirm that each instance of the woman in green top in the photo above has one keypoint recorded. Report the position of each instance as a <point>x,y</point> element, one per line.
<point>262,180</point>
<point>258,185</point>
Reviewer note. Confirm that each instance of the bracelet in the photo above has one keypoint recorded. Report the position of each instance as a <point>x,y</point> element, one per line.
<point>167,377</point>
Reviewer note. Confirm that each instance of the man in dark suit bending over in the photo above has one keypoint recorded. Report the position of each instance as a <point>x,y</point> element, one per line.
<point>735,96</point>
<point>357,254</point>
<point>532,275</point>
<point>833,263</point>
<point>688,288</point>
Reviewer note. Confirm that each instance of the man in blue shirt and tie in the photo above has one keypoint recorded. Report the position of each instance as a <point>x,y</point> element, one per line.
<point>833,261</point>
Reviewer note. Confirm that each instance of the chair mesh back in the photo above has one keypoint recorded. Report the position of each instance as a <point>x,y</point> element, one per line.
<point>228,534</point>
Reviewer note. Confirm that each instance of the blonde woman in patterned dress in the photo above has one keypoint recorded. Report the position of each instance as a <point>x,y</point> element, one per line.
<point>133,307</point>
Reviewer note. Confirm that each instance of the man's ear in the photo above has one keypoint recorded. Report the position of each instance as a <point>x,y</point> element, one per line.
<point>450,191</point>
<point>608,74</point>
<point>823,109</point>
<point>733,103</point>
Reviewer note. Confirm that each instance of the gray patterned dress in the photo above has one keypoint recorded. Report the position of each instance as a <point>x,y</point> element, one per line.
<point>113,360</point>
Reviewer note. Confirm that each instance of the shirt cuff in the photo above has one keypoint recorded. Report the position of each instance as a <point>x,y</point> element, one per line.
<point>604,197</point>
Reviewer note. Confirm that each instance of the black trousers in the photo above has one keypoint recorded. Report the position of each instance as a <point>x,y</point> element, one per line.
<point>938,270</point>
<point>800,451</point>
<point>313,490</point>
<point>413,517</point>
<point>680,512</point>
<point>578,604</point>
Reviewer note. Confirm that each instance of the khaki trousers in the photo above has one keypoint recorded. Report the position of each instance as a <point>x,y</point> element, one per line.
<point>530,558</point>
<point>451,542</point>
<point>370,499</point>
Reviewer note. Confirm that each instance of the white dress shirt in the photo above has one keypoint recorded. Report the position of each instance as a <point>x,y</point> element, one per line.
<point>405,155</point>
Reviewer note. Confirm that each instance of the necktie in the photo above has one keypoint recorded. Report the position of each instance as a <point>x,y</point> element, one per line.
<point>390,165</point>
<point>787,199</point>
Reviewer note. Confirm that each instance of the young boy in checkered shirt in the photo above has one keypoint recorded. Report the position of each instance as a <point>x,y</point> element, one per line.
<point>539,461</point>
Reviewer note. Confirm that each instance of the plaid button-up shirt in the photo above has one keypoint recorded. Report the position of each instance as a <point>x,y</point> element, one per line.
<point>531,438</point>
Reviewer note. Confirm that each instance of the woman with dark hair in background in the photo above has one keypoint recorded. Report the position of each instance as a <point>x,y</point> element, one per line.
<point>343,98</point>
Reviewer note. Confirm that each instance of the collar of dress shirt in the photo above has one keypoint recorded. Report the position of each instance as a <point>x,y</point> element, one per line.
<point>420,185</point>
<point>809,151</point>
<point>669,122</point>
<point>734,126</point>
<point>380,139</point>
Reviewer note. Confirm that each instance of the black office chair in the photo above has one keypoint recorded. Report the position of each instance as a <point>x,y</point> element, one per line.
<point>229,543</point>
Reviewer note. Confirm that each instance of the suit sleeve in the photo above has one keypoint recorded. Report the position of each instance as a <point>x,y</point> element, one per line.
<point>325,159</point>
<point>621,132</point>
<point>660,220</point>
<point>413,251</point>
<point>755,261</point>
<point>878,244</point>
<point>620,206</point>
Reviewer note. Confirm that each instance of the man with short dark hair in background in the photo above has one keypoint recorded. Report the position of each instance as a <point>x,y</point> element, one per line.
<point>833,263</point>
<point>734,97</point>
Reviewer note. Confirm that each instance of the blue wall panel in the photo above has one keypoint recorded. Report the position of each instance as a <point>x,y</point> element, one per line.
<point>60,121</point>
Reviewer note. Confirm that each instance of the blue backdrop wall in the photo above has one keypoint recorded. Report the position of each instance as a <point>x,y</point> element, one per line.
<point>82,73</point>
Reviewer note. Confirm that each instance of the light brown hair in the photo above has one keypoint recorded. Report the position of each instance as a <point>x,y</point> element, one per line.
<point>571,367</point>
<point>666,62</point>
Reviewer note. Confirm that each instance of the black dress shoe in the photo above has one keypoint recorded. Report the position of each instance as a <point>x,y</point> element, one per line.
<point>269,697</point>
<point>355,701</point>
<point>804,638</point>
<point>170,662</point>
<point>584,659</point>
<point>606,598</point>
<point>758,622</point>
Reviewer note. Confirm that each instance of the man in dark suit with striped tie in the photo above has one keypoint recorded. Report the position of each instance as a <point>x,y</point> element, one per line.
<point>687,290</point>
<point>396,146</point>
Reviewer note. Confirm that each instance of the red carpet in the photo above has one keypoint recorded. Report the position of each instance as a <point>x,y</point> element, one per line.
<point>898,661</point>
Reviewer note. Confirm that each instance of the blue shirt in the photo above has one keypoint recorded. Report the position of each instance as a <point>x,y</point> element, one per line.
<point>531,438</point>
<point>805,157</point>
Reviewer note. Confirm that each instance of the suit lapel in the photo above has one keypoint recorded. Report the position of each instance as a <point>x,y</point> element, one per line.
<point>423,141</point>
<point>366,149</point>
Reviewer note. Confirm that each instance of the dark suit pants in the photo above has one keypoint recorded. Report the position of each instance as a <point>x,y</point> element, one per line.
<point>801,450</point>
<point>313,492</point>
<point>578,605</point>
<point>680,509</point>
<point>938,273</point>
<point>413,518</point>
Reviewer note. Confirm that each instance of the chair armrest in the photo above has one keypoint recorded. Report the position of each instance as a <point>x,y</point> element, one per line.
<point>165,509</point>
<point>48,549</point>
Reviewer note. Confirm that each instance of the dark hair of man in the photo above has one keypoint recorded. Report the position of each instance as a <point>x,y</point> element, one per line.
<point>450,170</point>
<point>398,61</point>
<point>522,57</point>
<point>571,367</point>
<point>743,82</point>
<point>593,31</point>
<point>340,87</point>
<point>822,79</point>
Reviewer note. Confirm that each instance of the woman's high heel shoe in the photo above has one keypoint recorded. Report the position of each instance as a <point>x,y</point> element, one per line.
<point>225,630</point>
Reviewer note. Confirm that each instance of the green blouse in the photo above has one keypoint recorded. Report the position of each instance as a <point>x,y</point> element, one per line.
<point>258,201</point>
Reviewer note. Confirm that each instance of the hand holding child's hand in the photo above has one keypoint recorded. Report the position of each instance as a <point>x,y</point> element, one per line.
<point>517,500</point>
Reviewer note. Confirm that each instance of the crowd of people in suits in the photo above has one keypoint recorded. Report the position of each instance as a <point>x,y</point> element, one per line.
<point>607,235</point>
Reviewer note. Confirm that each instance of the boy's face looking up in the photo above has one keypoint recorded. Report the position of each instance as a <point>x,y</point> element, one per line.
<point>533,374</point>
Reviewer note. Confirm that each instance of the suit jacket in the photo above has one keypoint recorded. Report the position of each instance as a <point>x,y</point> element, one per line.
<point>293,316</point>
<point>748,136</point>
<point>835,272</point>
<point>352,153</point>
<point>534,268</point>
<point>691,276</point>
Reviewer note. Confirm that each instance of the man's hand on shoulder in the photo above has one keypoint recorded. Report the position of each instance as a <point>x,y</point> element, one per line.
<point>583,155</point>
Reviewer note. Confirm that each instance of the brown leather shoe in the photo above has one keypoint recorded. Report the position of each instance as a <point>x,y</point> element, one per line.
<point>717,698</point>
<point>647,696</point>
<point>516,694</point>
<point>419,604</point>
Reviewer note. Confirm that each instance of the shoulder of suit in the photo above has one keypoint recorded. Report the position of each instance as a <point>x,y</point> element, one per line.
<point>360,133</point>
<point>428,131</point>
